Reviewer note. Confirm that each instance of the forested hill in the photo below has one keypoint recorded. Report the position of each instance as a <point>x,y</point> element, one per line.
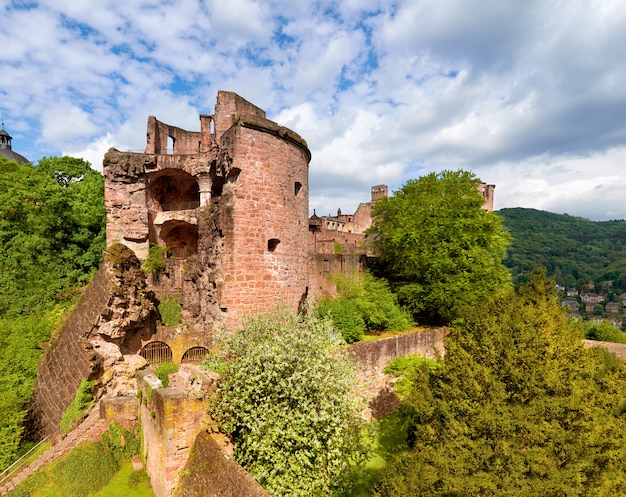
<point>576,251</point>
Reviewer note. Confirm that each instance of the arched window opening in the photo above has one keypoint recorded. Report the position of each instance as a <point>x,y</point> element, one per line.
<point>272,244</point>
<point>181,238</point>
<point>195,355</point>
<point>173,190</point>
<point>297,187</point>
<point>156,352</point>
<point>171,142</point>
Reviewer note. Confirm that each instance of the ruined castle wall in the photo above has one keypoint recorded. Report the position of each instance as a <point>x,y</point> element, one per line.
<point>183,141</point>
<point>125,199</point>
<point>69,359</point>
<point>372,357</point>
<point>362,218</point>
<point>230,105</point>
<point>170,421</point>
<point>265,219</point>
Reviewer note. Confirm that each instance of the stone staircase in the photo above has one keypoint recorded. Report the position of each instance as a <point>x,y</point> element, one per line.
<point>90,430</point>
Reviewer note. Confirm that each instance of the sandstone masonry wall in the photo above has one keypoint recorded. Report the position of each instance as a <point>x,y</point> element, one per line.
<point>373,356</point>
<point>265,254</point>
<point>68,360</point>
<point>170,421</point>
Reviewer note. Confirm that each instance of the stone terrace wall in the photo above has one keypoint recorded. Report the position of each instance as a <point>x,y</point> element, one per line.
<point>68,360</point>
<point>372,357</point>
<point>210,472</point>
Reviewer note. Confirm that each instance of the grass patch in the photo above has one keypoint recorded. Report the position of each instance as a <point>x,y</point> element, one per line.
<point>89,470</point>
<point>78,409</point>
<point>127,482</point>
<point>389,439</point>
<point>163,372</point>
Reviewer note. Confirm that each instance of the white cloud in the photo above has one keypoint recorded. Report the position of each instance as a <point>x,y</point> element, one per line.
<point>531,96</point>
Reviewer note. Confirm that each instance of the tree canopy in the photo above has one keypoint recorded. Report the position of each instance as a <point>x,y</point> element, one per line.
<point>52,230</point>
<point>517,408</point>
<point>439,249</point>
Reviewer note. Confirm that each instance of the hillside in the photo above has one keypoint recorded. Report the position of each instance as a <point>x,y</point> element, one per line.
<point>576,251</point>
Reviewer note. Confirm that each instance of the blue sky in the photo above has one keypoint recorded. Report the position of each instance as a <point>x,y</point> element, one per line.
<point>530,96</point>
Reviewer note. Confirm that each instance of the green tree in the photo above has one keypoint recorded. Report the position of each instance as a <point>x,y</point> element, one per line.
<point>517,408</point>
<point>287,399</point>
<point>52,230</point>
<point>439,249</point>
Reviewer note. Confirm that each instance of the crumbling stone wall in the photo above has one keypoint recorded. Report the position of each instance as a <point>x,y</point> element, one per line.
<point>372,357</point>
<point>111,305</point>
<point>170,419</point>
<point>67,360</point>
<point>230,203</point>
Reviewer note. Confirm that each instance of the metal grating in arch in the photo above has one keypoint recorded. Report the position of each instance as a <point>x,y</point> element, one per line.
<point>156,352</point>
<point>195,355</point>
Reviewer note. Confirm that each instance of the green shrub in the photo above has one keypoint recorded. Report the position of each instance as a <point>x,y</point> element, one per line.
<point>170,310</point>
<point>374,300</point>
<point>120,442</point>
<point>345,316</point>
<point>76,411</point>
<point>604,332</point>
<point>164,370</point>
<point>88,468</point>
<point>405,367</point>
<point>139,478</point>
<point>155,262</point>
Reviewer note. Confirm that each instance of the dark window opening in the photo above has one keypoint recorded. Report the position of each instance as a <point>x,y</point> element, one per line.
<point>297,187</point>
<point>195,355</point>
<point>181,238</point>
<point>156,352</point>
<point>272,244</point>
<point>233,175</point>
<point>173,190</point>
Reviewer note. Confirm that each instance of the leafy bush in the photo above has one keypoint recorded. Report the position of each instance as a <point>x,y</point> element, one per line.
<point>163,372</point>
<point>170,310</point>
<point>76,411</point>
<point>365,303</point>
<point>604,332</point>
<point>345,316</point>
<point>287,399</point>
<point>88,468</point>
<point>405,367</point>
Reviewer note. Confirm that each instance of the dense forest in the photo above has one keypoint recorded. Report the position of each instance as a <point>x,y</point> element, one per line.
<point>576,251</point>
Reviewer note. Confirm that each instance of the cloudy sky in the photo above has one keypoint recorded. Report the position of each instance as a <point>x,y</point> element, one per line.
<point>529,95</point>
